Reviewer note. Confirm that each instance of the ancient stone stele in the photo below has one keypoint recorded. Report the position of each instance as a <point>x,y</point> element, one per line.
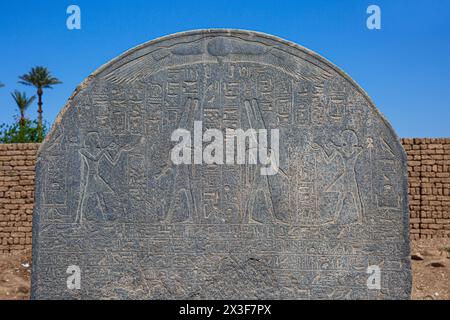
<point>115,213</point>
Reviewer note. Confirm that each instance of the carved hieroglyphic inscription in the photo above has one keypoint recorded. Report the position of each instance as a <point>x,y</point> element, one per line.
<point>111,201</point>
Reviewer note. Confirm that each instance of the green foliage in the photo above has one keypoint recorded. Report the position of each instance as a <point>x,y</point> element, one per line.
<point>24,130</point>
<point>29,132</point>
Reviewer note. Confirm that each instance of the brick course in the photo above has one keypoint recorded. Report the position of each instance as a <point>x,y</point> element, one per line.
<point>429,187</point>
<point>428,171</point>
<point>17,163</point>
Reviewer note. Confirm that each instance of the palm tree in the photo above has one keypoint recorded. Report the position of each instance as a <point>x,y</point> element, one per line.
<point>40,78</point>
<point>23,102</point>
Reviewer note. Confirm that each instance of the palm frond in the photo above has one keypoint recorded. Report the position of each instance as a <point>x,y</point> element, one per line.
<point>39,77</point>
<point>21,99</point>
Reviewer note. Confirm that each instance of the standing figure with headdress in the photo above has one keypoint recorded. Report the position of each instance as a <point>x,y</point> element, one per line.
<point>92,187</point>
<point>346,184</point>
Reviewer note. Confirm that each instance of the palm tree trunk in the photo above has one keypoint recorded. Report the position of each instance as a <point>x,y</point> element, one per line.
<point>40,92</point>
<point>21,135</point>
<point>22,118</point>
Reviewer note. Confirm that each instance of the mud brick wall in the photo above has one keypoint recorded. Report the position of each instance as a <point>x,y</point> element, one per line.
<point>16,195</point>
<point>429,187</point>
<point>429,191</point>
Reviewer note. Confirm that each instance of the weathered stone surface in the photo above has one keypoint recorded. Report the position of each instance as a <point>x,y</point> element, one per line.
<point>111,201</point>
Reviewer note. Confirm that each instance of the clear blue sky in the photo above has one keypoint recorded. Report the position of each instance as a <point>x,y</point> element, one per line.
<point>404,67</point>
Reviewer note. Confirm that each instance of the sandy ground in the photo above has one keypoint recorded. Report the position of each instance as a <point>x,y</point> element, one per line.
<point>431,276</point>
<point>430,265</point>
<point>15,271</point>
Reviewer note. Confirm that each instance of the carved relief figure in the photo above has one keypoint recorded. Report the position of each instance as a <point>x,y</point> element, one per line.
<point>259,206</point>
<point>346,184</point>
<point>182,205</point>
<point>92,203</point>
<point>93,187</point>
